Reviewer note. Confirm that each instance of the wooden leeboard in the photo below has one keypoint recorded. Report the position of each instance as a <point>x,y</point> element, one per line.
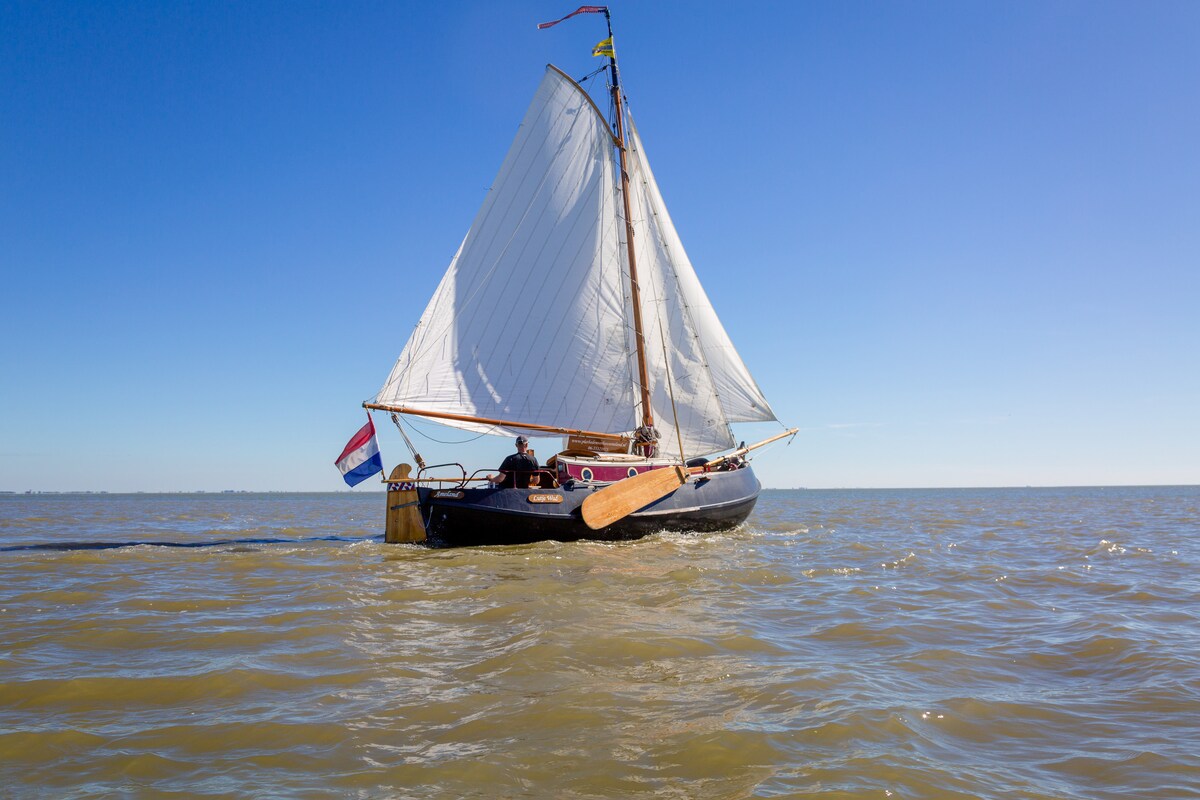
<point>404,523</point>
<point>603,508</point>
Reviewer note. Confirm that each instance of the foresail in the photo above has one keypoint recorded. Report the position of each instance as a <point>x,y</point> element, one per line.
<point>712,386</point>
<point>528,323</point>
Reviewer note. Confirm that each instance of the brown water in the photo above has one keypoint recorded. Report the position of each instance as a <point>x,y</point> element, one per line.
<point>1034,643</point>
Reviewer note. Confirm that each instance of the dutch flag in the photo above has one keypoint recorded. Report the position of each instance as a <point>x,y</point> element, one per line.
<point>360,460</point>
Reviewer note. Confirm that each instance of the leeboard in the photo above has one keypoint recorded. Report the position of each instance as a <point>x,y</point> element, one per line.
<point>618,501</point>
<point>404,523</point>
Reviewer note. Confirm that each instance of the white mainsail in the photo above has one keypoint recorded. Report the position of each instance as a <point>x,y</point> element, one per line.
<point>528,323</point>
<point>532,321</point>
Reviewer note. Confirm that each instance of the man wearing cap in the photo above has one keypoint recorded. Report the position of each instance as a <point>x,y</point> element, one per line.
<point>517,469</point>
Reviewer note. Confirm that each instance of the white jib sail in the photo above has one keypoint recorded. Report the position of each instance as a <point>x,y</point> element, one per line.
<point>708,391</point>
<point>740,398</point>
<point>532,321</point>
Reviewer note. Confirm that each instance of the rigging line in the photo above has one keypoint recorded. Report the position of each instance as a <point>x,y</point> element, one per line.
<point>664,307</point>
<point>648,179</point>
<point>625,285</point>
<point>416,456</point>
<point>671,388</point>
<point>488,432</point>
<point>767,447</point>
<point>688,320</point>
<point>592,74</point>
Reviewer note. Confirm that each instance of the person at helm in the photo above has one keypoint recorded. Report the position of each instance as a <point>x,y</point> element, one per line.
<point>518,469</point>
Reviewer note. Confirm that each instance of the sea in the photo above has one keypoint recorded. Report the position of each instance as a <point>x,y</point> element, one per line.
<point>953,643</point>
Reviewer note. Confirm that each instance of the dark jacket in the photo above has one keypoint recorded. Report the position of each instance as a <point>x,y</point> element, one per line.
<point>518,469</point>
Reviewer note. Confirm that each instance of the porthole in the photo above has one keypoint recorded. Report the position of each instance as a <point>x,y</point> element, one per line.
<point>586,474</point>
<point>632,471</point>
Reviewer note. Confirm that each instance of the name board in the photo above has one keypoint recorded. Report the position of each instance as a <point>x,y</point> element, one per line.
<point>545,498</point>
<point>448,494</point>
<point>599,442</point>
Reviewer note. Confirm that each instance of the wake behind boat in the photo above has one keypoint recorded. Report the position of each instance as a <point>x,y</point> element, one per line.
<point>571,309</point>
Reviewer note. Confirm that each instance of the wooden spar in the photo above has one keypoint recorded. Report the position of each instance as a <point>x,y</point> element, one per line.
<point>635,293</point>
<point>741,451</point>
<point>528,426</point>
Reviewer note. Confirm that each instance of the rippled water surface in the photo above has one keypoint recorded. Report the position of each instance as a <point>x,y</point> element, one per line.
<point>1040,643</point>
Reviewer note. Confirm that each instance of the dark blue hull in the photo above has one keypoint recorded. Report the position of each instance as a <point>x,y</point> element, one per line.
<point>710,502</point>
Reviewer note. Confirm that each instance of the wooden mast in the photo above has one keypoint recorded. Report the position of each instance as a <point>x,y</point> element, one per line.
<point>635,293</point>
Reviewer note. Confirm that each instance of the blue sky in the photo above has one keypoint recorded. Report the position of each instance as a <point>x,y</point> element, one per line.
<point>958,244</point>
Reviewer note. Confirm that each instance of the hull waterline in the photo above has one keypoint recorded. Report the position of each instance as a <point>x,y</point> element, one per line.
<point>711,502</point>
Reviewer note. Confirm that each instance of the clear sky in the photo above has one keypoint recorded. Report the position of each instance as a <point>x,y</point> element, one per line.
<point>958,244</point>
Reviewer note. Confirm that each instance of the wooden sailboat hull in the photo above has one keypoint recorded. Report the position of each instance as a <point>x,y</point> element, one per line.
<point>710,502</point>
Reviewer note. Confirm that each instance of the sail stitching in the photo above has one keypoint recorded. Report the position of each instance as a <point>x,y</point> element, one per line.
<point>508,362</point>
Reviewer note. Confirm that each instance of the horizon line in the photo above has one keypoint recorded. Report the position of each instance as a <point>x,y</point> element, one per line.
<point>31,492</point>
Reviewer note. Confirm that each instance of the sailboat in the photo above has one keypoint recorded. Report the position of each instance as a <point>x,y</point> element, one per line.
<point>571,309</point>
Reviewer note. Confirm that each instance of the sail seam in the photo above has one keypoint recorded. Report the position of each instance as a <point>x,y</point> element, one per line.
<point>563,150</point>
<point>481,223</point>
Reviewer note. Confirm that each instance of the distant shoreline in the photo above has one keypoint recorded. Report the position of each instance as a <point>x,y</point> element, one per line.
<point>227,492</point>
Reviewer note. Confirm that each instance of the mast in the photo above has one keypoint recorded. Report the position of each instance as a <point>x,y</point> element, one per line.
<point>635,293</point>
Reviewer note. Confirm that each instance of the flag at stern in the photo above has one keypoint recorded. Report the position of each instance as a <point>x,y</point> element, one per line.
<point>360,459</point>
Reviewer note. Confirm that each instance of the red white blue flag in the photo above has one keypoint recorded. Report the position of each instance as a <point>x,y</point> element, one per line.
<point>360,460</point>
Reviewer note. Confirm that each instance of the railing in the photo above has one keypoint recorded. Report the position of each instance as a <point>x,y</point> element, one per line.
<point>546,479</point>
<point>460,481</point>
